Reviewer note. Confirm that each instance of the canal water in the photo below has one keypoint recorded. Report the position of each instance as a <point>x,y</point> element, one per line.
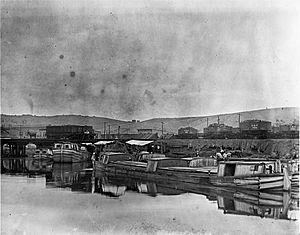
<point>46,198</point>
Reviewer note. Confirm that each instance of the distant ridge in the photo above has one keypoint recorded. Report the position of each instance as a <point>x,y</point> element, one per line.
<point>284,115</point>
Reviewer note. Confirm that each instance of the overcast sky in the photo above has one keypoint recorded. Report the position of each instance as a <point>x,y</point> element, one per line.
<point>144,59</point>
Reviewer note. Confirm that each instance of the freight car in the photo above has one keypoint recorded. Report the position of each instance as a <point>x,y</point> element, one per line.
<point>70,132</point>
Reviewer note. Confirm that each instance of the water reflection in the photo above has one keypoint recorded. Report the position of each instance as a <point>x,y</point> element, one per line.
<point>80,177</point>
<point>75,176</point>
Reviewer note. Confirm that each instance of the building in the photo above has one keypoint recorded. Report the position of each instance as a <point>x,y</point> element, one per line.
<point>288,128</point>
<point>144,131</point>
<point>255,125</point>
<point>74,132</point>
<point>255,129</point>
<point>187,133</point>
<point>187,130</point>
<point>236,130</point>
<point>41,133</point>
<point>216,130</point>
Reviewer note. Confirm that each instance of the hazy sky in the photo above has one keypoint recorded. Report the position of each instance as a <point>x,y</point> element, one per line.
<point>143,59</point>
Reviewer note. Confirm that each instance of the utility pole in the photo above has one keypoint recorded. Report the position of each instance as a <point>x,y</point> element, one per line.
<point>104,130</point>
<point>239,119</point>
<point>162,130</point>
<point>218,120</point>
<point>108,131</point>
<point>118,132</point>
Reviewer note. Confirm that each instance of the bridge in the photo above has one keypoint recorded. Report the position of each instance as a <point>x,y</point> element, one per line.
<point>17,146</point>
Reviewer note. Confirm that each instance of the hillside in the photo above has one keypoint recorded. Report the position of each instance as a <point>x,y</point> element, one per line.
<point>171,125</point>
<point>285,115</point>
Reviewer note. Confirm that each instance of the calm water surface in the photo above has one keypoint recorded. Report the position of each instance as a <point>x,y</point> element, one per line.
<point>46,198</point>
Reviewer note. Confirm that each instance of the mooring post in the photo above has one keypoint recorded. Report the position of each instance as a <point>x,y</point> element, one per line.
<point>286,180</point>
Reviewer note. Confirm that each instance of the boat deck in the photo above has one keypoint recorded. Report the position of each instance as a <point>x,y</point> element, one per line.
<point>204,169</point>
<point>132,163</point>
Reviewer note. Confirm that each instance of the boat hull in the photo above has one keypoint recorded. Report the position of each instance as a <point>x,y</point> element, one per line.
<point>69,156</point>
<point>271,182</point>
<point>138,169</point>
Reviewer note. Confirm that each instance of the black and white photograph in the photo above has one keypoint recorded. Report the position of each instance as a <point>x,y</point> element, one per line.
<point>150,117</point>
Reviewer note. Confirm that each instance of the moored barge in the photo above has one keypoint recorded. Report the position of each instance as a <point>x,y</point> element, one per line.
<point>68,152</point>
<point>174,169</point>
<point>254,174</point>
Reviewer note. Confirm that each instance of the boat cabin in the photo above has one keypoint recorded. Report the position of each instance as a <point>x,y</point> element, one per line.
<point>248,168</point>
<point>43,151</point>
<point>66,146</point>
<point>203,162</point>
<point>114,157</point>
<point>154,163</point>
<point>30,146</point>
<point>291,165</point>
<point>144,156</point>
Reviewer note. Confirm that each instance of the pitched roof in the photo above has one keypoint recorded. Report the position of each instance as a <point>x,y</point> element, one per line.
<point>138,142</point>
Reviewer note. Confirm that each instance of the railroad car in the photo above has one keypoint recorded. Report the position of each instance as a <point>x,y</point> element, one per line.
<point>71,132</point>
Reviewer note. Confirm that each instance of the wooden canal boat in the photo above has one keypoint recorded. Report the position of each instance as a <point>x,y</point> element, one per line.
<point>69,152</point>
<point>254,174</point>
<point>175,169</point>
<point>43,154</point>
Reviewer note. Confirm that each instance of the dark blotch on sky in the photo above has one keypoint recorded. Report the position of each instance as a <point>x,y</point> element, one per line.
<point>72,74</point>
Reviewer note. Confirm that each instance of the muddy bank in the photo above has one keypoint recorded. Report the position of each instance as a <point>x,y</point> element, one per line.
<point>287,148</point>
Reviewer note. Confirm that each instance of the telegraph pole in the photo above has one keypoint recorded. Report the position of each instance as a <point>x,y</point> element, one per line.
<point>118,132</point>
<point>104,130</point>
<point>108,131</point>
<point>218,120</point>
<point>162,130</point>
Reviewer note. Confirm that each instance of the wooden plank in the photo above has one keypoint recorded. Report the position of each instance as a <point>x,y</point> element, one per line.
<point>270,179</point>
<point>275,197</point>
<point>246,181</point>
<point>271,185</point>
